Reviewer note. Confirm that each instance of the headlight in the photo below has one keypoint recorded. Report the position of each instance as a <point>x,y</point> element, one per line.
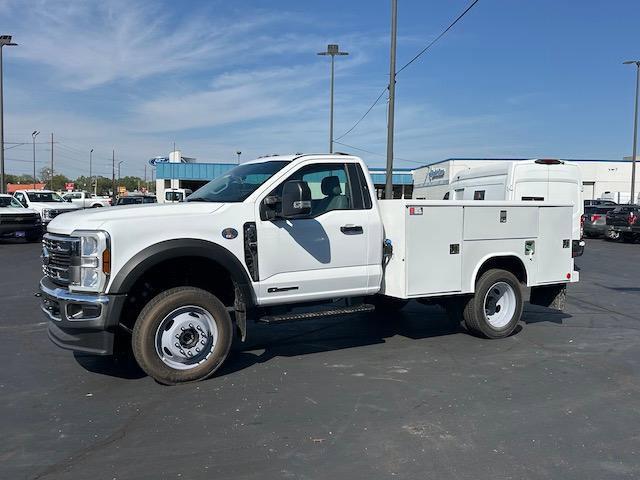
<point>46,213</point>
<point>91,265</point>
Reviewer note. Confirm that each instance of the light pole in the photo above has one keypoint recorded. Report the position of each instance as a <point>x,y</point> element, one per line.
<point>332,50</point>
<point>90,162</point>
<point>5,40</point>
<point>33,137</point>
<point>238,153</point>
<point>632,200</point>
<point>119,163</point>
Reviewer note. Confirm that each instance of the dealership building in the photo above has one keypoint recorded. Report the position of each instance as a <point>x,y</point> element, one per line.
<point>599,176</point>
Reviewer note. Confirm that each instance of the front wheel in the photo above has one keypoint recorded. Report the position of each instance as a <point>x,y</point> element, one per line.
<point>495,309</point>
<point>612,235</point>
<point>182,335</point>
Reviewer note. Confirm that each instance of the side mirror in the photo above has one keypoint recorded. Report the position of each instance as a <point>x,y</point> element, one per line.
<point>296,199</point>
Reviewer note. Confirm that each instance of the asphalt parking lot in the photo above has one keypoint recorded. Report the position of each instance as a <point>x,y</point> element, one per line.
<point>359,397</point>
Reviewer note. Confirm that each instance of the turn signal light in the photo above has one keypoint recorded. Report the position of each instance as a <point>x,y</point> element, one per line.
<point>106,261</point>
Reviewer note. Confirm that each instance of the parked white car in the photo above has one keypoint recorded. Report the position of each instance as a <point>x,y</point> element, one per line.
<point>17,221</point>
<point>270,236</point>
<point>46,202</point>
<point>86,200</point>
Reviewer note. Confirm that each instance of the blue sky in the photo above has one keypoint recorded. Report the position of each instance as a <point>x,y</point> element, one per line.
<point>514,78</point>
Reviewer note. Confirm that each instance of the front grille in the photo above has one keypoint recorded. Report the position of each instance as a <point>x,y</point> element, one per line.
<point>54,213</point>
<point>57,255</point>
<point>25,219</point>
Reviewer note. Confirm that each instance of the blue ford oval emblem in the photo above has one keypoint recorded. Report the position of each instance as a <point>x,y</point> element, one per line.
<point>229,233</point>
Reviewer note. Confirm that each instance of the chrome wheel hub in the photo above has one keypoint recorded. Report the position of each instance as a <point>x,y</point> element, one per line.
<point>186,337</point>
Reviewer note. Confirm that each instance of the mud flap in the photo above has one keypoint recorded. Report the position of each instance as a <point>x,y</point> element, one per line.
<point>551,296</point>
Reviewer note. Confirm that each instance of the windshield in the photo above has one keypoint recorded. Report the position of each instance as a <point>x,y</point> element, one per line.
<point>238,183</point>
<point>44,197</point>
<point>10,202</point>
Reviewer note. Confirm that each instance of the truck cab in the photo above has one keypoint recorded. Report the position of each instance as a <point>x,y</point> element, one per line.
<point>47,203</point>
<point>86,200</point>
<point>287,238</point>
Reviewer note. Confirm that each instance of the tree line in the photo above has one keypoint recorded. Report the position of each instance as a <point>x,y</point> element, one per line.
<point>104,184</point>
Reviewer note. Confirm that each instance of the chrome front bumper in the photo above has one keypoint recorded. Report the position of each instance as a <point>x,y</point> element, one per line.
<point>79,321</point>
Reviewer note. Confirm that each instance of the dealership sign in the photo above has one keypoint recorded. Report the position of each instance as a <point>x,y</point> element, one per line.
<point>436,173</point>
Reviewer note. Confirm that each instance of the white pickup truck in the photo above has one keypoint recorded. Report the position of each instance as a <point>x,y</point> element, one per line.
<point>86,200</point>
<point>288,238</point>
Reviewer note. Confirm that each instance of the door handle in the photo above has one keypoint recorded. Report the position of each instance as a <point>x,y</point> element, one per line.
<point>351,229</point>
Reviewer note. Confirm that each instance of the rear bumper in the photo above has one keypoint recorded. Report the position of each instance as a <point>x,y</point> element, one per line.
<point>595,229</point>
<point>80,322</point>
<point>624,229</point>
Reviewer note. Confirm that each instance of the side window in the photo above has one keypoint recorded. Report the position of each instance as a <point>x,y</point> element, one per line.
<point>478,195</point>
<point>20,198</point>
<point>446,196</point>
<point>362,199</point>
<point>533,199</point>
<point>329,185</point>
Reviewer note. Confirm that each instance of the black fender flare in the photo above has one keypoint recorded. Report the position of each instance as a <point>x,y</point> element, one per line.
<point>142,261</point>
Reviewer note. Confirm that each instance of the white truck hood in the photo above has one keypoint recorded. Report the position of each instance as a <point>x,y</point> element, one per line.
<point>100,218</point>
<point>39,206</point>
<point>15,211</point>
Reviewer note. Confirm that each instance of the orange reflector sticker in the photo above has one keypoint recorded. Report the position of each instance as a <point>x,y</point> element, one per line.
<point>106,261</point>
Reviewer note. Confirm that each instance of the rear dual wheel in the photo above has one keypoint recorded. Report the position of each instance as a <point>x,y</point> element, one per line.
<point>496,307</point>
<point>182,335</point>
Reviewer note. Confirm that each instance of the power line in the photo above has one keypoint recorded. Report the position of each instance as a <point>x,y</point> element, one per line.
<point>458,18</point>
<point>418,55</point>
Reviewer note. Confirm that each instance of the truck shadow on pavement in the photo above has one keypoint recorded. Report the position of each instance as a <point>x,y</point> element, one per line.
<point>265,342</point>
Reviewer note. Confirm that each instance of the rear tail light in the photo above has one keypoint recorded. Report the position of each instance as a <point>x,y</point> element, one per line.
<point>581,226</point>
<point>632,218</point>
<point>595,218</point>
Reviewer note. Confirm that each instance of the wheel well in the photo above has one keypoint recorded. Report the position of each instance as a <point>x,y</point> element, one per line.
<point>509,263</point>
<point>195,271</point>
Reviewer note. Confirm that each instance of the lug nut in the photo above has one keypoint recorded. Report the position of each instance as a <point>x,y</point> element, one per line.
<point>202,342</point>
<point>197,350</point>
<point>191,325</point>
<point>177,336</point>
<point>182,328</point>
<point>177,345</point>
<point>190,354</point>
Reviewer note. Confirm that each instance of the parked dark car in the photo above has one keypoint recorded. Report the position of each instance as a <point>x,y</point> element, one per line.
<point>595,221</point>
<point>136,200</point>
<point>623,222</point>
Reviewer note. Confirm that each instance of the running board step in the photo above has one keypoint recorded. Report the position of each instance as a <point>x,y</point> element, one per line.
<point>293,317</point>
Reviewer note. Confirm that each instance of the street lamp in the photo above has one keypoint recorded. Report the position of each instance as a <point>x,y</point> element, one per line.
<point>332,50</point>
<point>635,131</point>
<point>90,177</point>
<point>238,153</point>
<point>5,40</point>
<point>33,137</point>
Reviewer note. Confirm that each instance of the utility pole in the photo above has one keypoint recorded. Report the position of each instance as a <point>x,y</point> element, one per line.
<point>332,50</point>
<point>90,171</point>
<point>113,177</point>
<point>633,199</point>
<point>33,138</point>
<point>5,40</point>
<point>388,188</point>
<point>51,186</point>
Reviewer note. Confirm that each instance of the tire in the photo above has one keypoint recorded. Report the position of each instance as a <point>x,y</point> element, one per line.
<point>628,238</point>
<point>612,235</point>
<point>386,305</point>
<point>496,307</point>
<point>182,335</point>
